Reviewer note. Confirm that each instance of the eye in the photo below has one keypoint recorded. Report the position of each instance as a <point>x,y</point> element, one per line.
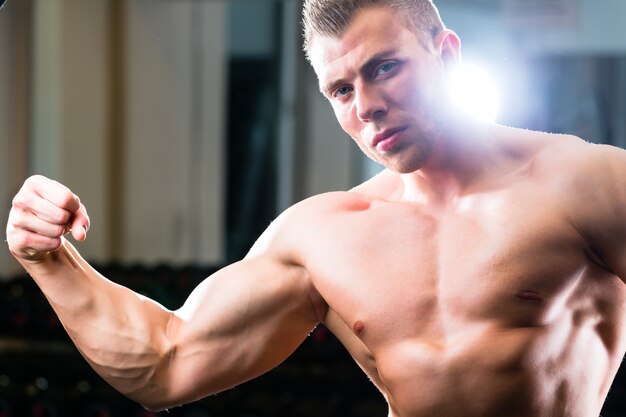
<point>342,91</point>
<point>385,68</point>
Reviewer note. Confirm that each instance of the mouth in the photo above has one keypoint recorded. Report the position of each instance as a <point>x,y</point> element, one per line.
<point>387,138</point>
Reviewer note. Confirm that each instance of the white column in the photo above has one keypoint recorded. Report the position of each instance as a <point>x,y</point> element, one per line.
<point>174,129</point>
<point>70,119</point>
<point>47,78</point>
<point>85,114</point>
<point>7,266</point>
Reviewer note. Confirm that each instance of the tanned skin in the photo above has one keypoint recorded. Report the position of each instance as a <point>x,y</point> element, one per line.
<point>479,275</point>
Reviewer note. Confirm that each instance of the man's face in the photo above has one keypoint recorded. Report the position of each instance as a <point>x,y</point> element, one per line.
<point>385,86</point>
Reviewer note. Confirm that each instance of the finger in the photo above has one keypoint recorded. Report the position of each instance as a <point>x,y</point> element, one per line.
<point>79,232</point>
<point>80,224</point>
<point>24,220</point>
<point>55,192</point>
<point>31,245</point>
<point>41,208</point>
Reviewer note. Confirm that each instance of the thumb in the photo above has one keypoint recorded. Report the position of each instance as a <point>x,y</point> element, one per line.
<point>80,224</point>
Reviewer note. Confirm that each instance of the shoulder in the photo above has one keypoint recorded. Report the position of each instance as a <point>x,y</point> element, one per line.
<point>582,178</point>
<point>574,162</point>
<point>589,182</point>
<point>296,227</point>
<point>316,208</point>
<point>561,159</point>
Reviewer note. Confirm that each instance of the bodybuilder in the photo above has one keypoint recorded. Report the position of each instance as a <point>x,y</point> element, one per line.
<point>479,275</point>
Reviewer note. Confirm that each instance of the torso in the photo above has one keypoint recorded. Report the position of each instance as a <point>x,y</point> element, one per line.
<point>490,306</point>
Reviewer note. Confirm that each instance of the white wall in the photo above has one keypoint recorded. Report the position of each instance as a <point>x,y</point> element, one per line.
<point>172,152</point>
<point>176,77</point>
<point>14,57</point>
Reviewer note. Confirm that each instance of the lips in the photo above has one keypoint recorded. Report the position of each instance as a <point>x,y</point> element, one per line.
<point>386,135</point>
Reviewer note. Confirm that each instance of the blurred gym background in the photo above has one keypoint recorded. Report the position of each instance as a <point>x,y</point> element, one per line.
<point>186,126</point>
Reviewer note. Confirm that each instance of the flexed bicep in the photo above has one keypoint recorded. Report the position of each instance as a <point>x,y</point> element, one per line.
<point>238,324</point>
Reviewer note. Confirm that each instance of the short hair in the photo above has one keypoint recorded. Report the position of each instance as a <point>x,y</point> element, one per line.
<point>332,17</point>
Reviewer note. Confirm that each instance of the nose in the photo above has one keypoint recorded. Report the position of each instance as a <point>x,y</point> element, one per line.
<point>369,103</point>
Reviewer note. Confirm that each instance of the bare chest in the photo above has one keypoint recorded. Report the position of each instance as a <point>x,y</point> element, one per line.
<point>398,270</point>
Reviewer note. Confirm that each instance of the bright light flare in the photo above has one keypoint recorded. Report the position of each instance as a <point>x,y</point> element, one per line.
<point>475,92</point>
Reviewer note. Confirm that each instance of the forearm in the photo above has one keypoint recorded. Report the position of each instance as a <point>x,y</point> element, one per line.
<point>121,334</point>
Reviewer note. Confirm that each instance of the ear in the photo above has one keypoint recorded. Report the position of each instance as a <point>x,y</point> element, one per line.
<point>448,46</point>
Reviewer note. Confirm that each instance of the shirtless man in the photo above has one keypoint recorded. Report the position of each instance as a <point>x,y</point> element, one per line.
<point>477,276</point>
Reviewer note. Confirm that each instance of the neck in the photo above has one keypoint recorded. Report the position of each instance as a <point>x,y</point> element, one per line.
<point>459,160</point>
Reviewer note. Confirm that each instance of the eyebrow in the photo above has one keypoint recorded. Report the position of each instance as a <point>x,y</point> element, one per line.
<point>364,68</point>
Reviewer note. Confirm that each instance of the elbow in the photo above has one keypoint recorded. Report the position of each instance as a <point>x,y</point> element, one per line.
<point>169,383</point>
<point>149,390</point>
<point>154,388</point>
<point>154,394</point>
<point>155,407</point>
<point>158,399</point>
<point>161,388</point>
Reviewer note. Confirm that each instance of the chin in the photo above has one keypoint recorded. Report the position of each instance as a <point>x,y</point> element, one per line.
<point>406,164</point>
<point>407,158</point>
<point>404,169</point>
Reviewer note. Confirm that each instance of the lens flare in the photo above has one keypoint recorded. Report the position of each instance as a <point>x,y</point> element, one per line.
<point>474,92</point>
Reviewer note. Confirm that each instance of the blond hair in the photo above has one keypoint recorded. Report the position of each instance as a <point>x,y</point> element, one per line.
<point>332,17</point>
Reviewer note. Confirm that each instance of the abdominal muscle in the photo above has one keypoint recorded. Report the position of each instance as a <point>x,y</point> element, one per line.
<point>493,372</point>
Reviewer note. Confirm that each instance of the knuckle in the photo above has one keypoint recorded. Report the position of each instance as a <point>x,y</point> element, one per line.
<point>61,217</point>
<point>33,179</point>
<point>66,199</point>
<point>18,219</point>
<point>19,200</point>
<point>15,220</point>
<point>52,244</point>
<point>22,240</point>
<point>58,231</point>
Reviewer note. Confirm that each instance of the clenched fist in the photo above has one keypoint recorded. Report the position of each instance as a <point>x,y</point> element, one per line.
<point>42,212</point>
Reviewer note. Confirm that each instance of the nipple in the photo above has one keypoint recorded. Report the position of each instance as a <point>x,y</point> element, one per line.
<point>358,327</point>
<point>531,296</point>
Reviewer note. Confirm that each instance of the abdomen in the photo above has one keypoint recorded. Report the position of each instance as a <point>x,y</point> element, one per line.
<point>497,372</point>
